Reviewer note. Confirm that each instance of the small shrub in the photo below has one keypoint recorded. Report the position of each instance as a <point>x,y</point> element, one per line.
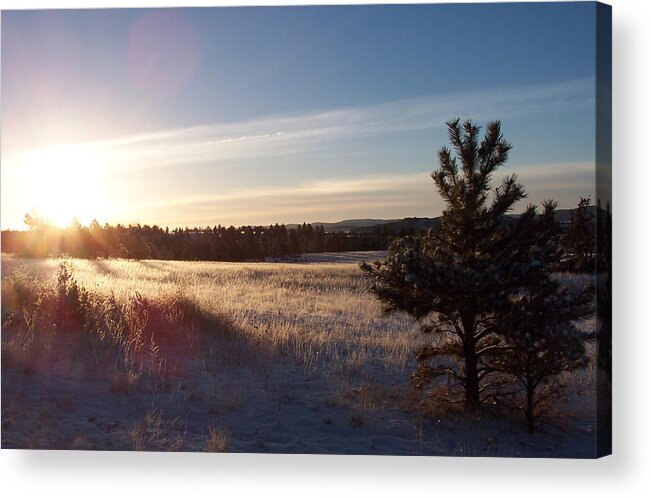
<point>72,301</point>
<point>218,441</point>
<point>154,433</point>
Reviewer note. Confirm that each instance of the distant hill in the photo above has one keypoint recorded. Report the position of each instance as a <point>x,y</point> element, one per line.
<point>563,215</point>
<point>370,225</point>
<point>410,224</point>
<point>355,225</point>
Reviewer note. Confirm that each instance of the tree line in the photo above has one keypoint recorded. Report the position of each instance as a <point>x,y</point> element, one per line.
<point>255,243</point>
<point>218,243</point>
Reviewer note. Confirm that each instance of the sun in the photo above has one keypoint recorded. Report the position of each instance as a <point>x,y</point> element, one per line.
<point>66,183</point>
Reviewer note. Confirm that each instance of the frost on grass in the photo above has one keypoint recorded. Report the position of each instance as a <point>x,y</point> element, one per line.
<point>192,356</point>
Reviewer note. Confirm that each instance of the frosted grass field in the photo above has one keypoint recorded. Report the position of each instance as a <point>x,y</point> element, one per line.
<point>311,309</point>
<point>303,361</point>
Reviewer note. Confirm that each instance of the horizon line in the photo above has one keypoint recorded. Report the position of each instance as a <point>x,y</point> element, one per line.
<point>253,225</point>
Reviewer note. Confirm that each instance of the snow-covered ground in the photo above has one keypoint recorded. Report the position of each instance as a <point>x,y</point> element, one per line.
<point>332,257</point>
<point>309,365</point>
<point>343,257</point>
<point>273,408</point>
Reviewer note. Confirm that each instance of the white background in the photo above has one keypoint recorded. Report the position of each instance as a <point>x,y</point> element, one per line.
<point>625,474</point>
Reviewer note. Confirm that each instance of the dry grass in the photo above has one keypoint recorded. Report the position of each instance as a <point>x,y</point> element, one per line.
<point>317,313</point>
<point>217,440</point>
<point>148,323</point>
<point>155,433</point>
<point>56,322</point>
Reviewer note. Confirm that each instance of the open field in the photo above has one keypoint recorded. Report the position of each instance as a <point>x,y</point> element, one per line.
<point>254,357</point>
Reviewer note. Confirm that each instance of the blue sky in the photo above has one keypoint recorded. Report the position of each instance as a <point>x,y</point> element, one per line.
<point>284,114</point>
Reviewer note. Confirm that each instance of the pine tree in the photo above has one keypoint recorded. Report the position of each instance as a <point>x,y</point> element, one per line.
<point>458,279</point>
<point>539,329</point>
<point>579,240</point>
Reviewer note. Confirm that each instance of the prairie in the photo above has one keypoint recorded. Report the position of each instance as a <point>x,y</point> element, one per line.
<point>238,357</point>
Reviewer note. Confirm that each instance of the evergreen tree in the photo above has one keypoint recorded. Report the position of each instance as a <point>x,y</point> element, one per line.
<point>579,240</point>
<point>294,246</point>
<point>543,341</point>
<point>459,279</point>
<point>539,328</point>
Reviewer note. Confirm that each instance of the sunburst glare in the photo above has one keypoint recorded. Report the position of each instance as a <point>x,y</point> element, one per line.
<point>66,183</point>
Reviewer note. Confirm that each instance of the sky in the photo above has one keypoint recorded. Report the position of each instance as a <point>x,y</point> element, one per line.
<point>258,115</point>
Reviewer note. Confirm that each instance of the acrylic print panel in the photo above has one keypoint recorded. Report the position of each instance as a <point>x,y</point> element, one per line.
<point>345,230</point>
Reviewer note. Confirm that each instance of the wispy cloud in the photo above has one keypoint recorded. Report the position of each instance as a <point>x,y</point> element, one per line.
<point>387,196</point>
<point>285,135</point>
<point>298,167</point>
<point>321,190</point>
<point>551,178</point>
